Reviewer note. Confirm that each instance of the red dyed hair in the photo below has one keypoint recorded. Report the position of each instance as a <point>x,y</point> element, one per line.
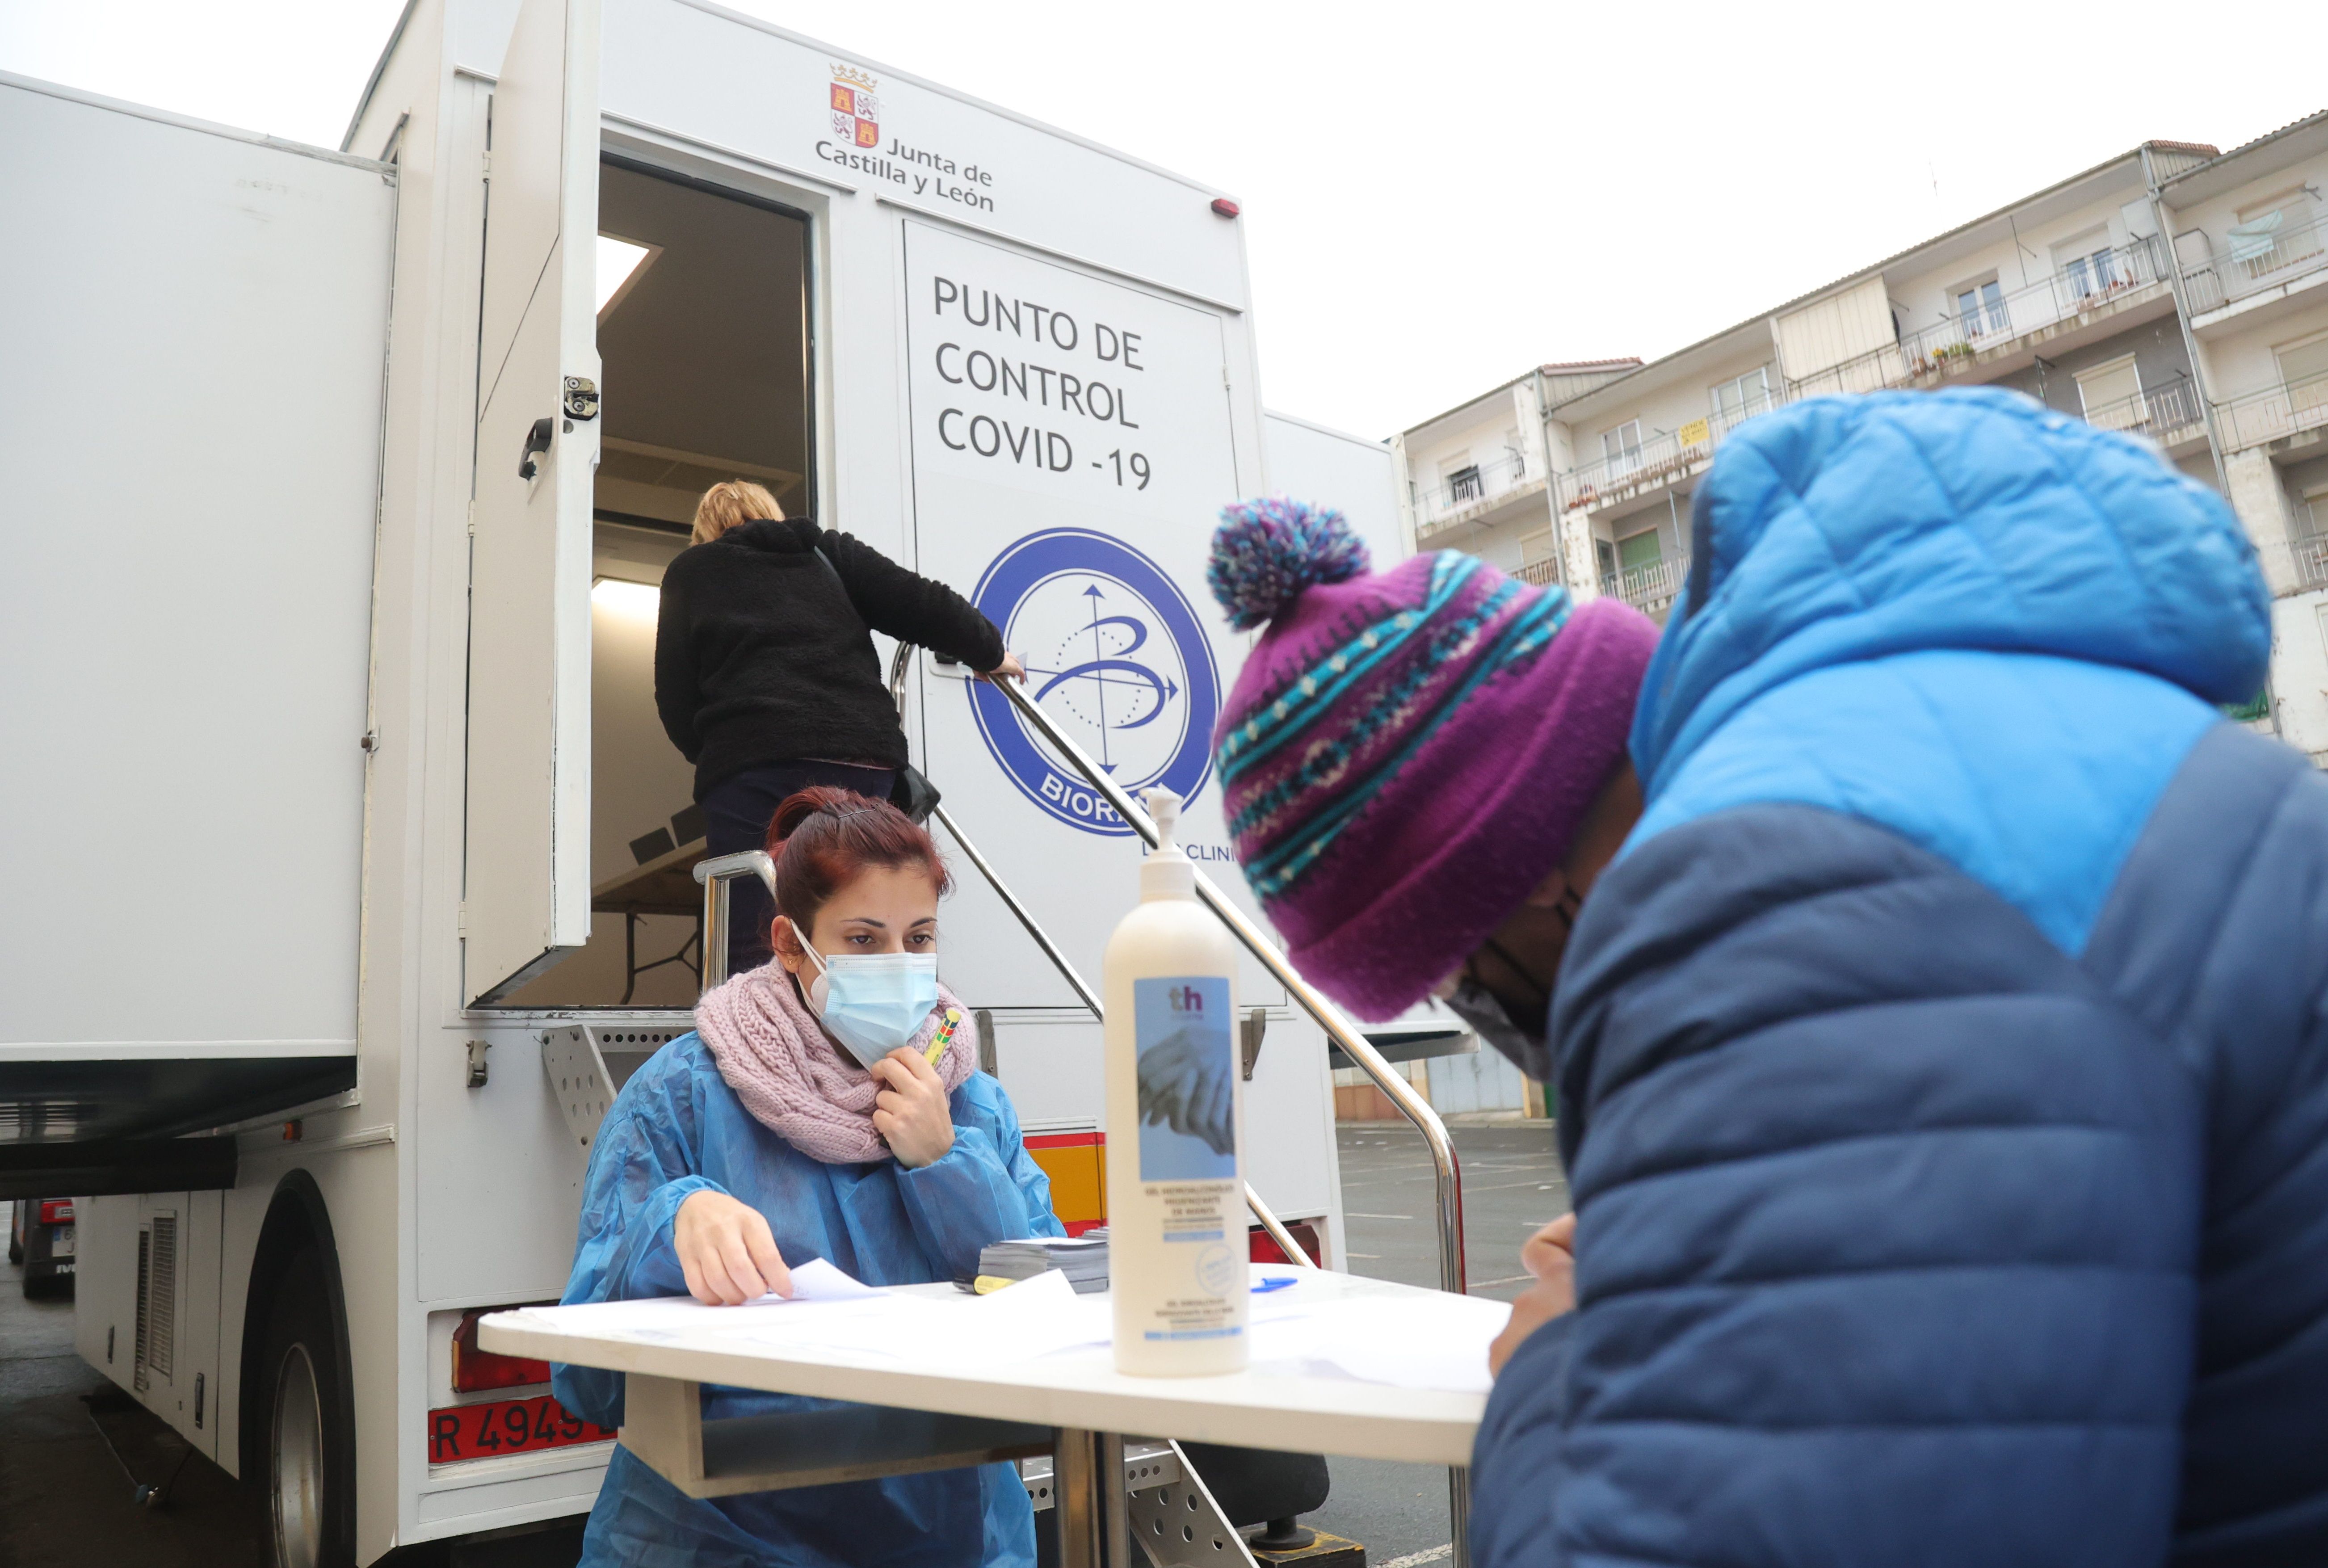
<point>824,838</point>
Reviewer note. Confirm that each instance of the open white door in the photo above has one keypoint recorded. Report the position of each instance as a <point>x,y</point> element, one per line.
<point>527,886</point>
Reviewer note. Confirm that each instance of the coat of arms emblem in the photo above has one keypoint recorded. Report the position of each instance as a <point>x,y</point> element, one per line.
<point>856,112</point>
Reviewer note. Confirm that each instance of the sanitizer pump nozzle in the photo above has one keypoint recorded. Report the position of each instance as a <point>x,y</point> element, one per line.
<point>1168,872</point>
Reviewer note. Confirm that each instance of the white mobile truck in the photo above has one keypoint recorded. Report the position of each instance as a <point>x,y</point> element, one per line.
<point>334,489</point>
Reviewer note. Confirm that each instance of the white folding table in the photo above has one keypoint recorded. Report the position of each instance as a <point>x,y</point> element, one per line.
<point>1071,1404</point>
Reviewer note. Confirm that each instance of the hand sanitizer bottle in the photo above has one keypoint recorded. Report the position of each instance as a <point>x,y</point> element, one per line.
<point>1177,1247</point>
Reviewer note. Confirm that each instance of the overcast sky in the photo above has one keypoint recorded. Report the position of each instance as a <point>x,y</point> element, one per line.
<point>1437,197</point>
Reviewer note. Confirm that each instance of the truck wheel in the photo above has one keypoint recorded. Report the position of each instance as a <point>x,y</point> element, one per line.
<point>309,1447</point>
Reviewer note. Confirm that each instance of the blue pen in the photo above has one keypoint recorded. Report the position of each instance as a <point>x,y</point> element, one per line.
<point>1266,1286</point>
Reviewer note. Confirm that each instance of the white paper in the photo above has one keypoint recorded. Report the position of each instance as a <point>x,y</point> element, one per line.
<point>818,1280</point>
<point>1435,1342</point>
<point>665,1318</point>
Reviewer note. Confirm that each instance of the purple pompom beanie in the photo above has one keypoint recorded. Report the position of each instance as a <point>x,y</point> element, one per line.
<point>1408,753</point>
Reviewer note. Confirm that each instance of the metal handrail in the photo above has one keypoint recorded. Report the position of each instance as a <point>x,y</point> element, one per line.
<point>898,665</point>
<point>1343,1033</point>
<point>714,875</point>
<point>1354,1044</point>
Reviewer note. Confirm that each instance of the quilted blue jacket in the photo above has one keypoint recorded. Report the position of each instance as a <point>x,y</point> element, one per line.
<point>1945,1092</point>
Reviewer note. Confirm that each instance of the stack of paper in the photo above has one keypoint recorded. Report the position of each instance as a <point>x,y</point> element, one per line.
<point>1083,1259</point>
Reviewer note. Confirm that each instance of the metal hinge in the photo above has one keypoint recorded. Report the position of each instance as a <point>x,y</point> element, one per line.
<point>477,1049</point>
<point>488,163</point>
<point>461,921</point>
<point>1254,1025</point>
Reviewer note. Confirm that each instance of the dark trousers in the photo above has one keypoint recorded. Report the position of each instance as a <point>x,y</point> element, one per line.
<point>735,817</point>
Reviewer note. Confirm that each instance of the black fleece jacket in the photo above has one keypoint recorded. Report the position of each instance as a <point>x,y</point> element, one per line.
<point>762,657</point>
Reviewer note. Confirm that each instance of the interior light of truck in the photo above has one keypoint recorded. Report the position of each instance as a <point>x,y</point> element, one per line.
<point>475,1370</point>
<point>56,1211</point>
<point>618,261</point>
<point>618,597</point>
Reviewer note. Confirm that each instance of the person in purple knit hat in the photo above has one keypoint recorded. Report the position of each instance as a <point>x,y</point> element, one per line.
<point>1422,769</point>
<point>1933,981</point>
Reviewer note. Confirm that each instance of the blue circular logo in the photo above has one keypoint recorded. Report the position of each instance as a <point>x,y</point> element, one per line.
<point>1116,656</point>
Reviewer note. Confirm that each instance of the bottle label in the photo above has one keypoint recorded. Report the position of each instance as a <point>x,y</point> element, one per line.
<point>1188,1081</point>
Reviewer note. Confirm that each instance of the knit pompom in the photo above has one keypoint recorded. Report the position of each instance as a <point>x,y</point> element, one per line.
<point>1265,552</point>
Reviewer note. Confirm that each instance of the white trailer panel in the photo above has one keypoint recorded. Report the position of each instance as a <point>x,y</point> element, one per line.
<point>191,429</point>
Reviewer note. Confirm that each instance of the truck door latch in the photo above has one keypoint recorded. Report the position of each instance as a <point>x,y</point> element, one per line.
<point>537,441</point>
<point>581,398</point>
<point>477,1070</point>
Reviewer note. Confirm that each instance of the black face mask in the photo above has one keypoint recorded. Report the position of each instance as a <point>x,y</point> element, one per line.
<point>1519,1033</point>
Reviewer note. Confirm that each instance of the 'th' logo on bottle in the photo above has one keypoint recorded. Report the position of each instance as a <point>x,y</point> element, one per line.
<point>1186,998</point>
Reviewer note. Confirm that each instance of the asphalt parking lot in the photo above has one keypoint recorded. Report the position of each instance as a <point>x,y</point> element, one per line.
<point>67,1502</point>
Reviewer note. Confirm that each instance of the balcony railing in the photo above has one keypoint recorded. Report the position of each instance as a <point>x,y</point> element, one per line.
<point>2311,553</point>
<point>2158,412</point>
<point>1929,354</point>
<point>1468,487</point>
<point>1649,587</point>
<point>2272,413</point>
<point>1654,460</point>
<point>2239,265</point>
<point>1542,573</point>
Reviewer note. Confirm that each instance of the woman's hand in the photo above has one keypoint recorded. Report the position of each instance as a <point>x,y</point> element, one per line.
<point>727,1252</point>
<point>912,1114</point>
<point>1550,1255</point>
<point>1009,669</point>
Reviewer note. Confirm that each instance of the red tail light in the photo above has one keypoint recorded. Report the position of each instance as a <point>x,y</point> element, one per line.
<point>56,1211</point>
<point>1263,1247</point>
<point>475,1370</point>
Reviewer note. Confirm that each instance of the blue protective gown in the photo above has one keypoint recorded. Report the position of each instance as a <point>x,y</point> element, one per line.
<point>677,1128</point>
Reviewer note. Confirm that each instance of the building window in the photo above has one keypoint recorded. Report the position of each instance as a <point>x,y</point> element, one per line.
<point>1463,484</point>
<point>1980,309</point>
<point>1604,554</point>
<point>2087,266</point>
<point>1734,402</point>
<point>2111,395</point>
<point>1620,449</point>
<point>1638,550</point>
<point>2304,370</point>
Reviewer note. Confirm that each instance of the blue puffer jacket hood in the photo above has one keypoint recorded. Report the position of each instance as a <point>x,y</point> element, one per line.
<point>1841,529</point>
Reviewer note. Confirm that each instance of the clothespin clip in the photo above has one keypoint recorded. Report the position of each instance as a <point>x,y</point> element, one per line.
<point>945,1037</point>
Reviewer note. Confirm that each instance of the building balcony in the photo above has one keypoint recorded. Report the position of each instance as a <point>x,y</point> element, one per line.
<point>2077,298</point>
<point>2274,414</point>
<point>2311,553</point>
<point>1650,588</point>
<point>1542,573</point>
<point>1665,458</point>
<point>2170,414</point>
<point>2252,265</point>
<point>1474,495</point>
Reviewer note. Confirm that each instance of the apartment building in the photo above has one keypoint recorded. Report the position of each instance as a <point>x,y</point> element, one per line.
<point>2176,292</point>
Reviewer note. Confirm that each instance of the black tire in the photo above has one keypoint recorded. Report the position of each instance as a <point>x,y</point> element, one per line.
<point>307,1426</point>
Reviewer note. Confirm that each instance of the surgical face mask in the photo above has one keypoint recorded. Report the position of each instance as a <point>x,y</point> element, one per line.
<point>1522,1040</point>
<point>872,1002</point>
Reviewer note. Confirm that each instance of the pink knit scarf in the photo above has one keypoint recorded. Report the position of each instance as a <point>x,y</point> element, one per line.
<point>794,1080</point>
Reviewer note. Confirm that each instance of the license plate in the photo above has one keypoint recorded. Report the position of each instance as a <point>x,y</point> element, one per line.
<point>506,1427</point>
<point>61,1242</point>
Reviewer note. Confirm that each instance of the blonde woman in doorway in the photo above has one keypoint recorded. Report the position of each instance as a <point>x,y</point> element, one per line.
<point>765,675</point>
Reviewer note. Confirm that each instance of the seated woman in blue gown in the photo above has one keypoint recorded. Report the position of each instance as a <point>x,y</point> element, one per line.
<point>759,1142</point>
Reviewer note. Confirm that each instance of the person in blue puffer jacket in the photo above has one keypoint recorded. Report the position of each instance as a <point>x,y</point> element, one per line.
<point>1936,1007</point>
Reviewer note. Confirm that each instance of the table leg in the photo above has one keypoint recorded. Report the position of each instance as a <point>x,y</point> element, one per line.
<point>1459,1512</point>
<point>1078,1487</point>
<point>1116,1503</point>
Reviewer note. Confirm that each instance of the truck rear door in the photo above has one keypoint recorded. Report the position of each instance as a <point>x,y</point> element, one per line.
<point>527,890</point>
<point>189,428</point>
